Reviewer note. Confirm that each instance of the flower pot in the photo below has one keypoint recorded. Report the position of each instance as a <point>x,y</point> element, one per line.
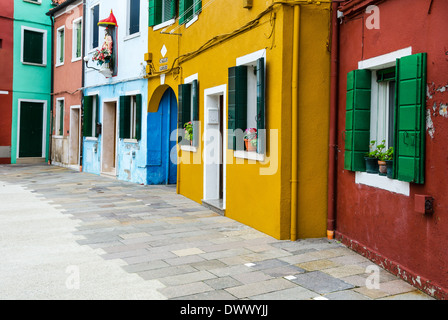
<point>105,70</point>
<point>382,168</point>
<point>390,168</point>
<point>371,165</point>
<point>249,146</point>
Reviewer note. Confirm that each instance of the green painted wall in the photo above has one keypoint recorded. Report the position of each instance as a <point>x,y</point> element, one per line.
<point>30,82</point>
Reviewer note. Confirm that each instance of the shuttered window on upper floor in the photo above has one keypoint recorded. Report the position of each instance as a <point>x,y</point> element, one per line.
<point>164,10</point>
<point>33,46</point>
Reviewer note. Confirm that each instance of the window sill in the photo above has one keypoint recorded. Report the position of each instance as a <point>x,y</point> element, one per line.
<point>131,36</point>
<point>59,64</point>
<point>383,182</point>
<point>189,148</point>
<point>76,59</point>
<point>193,20</point>
<point>34,64</point>
<point>91,139</point>
<point>250,155</point>
<point>135,141</point>
<point>33,2</point>
<point>163,24</point>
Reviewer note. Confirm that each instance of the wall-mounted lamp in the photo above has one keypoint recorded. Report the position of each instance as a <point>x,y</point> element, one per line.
<point>86,60</point>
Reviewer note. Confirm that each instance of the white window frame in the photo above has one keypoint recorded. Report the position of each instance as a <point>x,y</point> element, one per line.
<point>94,113</point>
<point>128,21</point>
<point>57,119</point>
<point>133,116</point>
<point>251,61</point>
<point>92,26</point>
<point>58,47</point>
<point>44,46</point>
<point>76,22</point>
<point>374,64</point>
<point>39,2</point>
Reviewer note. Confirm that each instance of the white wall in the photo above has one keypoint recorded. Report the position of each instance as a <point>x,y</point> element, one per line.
<point>131,50</point>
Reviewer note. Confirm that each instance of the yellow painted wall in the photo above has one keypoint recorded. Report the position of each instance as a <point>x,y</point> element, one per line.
<point>260,201</point>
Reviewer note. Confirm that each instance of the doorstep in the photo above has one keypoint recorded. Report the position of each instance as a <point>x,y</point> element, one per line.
<point>30,160</point>
<point>215,205</point>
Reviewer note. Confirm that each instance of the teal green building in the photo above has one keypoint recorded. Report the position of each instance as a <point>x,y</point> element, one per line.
<point>31,120</point>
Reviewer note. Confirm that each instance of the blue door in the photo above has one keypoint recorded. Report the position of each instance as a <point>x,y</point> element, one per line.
<point>162,154</point>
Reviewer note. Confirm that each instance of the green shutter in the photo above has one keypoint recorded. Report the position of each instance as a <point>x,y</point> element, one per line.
<point>184,111</point>
<point>195,118</point>
<point>173,9</point>
<point>97,113</point>
<point>125,117</point>
<point>357,125</point>
<point>185,10</point>
<point>61,49</point>
<point>138,117</point>
<point>87,119</point>
<point>197,6</point>
<point>237,110</point>
<point>33,46</point>
<point>155,12</point>
<point>78,39</point>
<point>261,108</point>
<point>61,119</point>
<point>410,118</point>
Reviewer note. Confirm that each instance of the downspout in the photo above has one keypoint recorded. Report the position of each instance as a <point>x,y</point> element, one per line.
<point>83,50</point>
<point>294,127</point>
<point>331,218</point>
<point>51,91</point>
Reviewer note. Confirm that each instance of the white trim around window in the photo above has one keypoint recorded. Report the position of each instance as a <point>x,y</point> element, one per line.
<point>76,22</point>
<point>60,60</point>
<point>44,46</point>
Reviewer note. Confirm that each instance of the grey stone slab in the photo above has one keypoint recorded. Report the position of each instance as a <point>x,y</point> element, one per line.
<point>321,282</point>
<point>258,288</point>
<point>165,272</point>
<point>346,295</point>
<point>296,293</point>
<point>269,264</point>
<point>223,282</point>
<point>185,290</point>
<point>283,271</point>
<point>175,280</point>
<point>215,295</point>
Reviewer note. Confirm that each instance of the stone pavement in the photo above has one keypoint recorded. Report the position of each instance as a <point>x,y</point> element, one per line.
<point>71,235</point>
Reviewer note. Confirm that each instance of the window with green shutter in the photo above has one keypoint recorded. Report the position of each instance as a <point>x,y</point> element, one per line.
<point>130,117</point>
<point>60,46</point>
<point>90,115</point>
<point>188,9</point>
<point>188,112</point>
<point>246,105</point>
<point>33,48</point>
<point>397,99</point>
<point>161,11</point>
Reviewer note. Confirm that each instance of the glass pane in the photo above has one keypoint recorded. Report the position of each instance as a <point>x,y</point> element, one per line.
<point>95,30</point>
<point>134,17</point>
<point>33,46</point>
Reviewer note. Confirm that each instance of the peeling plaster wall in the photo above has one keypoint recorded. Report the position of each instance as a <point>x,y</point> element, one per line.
<point>378,223</point>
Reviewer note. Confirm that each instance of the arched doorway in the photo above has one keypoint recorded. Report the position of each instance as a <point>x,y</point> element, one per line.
<point>161,153</point>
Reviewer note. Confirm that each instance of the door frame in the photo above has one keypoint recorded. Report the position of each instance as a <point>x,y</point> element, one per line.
<point>117,126</point>
<point>210,96</point>
<point>44,126</point>
<point>77,107</point>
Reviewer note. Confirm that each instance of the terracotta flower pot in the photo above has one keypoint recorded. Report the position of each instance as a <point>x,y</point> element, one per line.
<point>249,146</point>
<point>382,167</point>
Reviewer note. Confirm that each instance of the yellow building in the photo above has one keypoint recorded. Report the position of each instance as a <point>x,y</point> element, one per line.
<point>232,65</point>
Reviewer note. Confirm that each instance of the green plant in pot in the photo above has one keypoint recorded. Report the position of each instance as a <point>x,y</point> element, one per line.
<point>382,157</point>
<point>371,158</point>
<point>389,158</point>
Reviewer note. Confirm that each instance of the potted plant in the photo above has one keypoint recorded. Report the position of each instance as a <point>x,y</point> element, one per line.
<point>250,139</point>
<point>381,155</point>
<point>188,127</point>
<point>371,158</point>
<point>389,156</point>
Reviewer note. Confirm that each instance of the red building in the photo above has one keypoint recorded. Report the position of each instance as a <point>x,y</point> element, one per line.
<point>6,68</point>
<point>393,88</point>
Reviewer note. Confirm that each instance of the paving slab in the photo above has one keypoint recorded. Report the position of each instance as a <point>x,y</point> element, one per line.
<point>131,241</point>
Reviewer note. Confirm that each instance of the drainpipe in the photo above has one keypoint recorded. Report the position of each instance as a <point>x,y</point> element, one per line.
<point>83,50</point>
<point>294,116</point>
<point>331,218</point>
<point>51,91</point>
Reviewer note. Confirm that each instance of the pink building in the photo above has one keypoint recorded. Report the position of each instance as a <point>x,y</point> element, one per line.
<point>67,82</point>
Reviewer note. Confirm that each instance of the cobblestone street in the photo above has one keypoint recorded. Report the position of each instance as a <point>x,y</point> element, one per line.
<point>71,235</point>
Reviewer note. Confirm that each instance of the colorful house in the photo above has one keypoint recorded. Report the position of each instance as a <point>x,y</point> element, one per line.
<point>6,70</point>
<point>263,68</point>
<point>114,133</point>
<point>393,94</point>
<point>67,20</point>
<point>30,126</point>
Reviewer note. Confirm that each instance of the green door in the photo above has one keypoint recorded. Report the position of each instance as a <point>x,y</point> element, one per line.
<point>31,129</point>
